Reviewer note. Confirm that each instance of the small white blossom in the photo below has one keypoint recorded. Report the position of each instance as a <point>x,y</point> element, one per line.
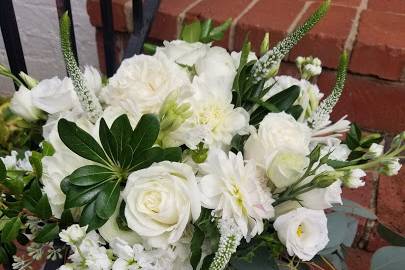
<point>353,179</point>
<point>391,167</point>
<point>73,234</point>
<point>375,151</point>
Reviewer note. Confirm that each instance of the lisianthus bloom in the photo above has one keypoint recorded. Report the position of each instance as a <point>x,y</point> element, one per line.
<point>21,104</point>
<point>235,190</point>
<point>160,202</point>
<point>303,231</point>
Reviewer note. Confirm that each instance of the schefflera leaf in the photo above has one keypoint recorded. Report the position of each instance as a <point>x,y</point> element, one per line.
<point>123,150</point>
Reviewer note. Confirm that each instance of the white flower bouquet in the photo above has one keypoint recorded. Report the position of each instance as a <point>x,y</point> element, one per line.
<point>189,158</point>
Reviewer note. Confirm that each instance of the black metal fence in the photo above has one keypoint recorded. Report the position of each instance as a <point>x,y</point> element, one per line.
<point>143,14</point>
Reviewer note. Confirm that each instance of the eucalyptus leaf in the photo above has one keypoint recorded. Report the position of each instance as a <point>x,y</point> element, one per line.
<point>80,142</point>
<point>388,258</point>
<point>48,233</point>
<point>354,208</point>
<point>107,199</point>
<point>89,175</point>
<point>391,236</point>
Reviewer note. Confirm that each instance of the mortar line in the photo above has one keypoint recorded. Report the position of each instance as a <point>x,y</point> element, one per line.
<point>231,40</point>
<point>182,15</point>
<point>299,16</point>
<point>351,38</point>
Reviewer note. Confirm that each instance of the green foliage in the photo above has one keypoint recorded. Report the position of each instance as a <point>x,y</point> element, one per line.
<point>205,32</point>
<point>48,233</point>
<point>350,207</point>
<point>11,230</point>
<point>123,150</point>
<point>388,258</point>
<point>196,247</point>
<point>262,259</point>
<point>390,236</point>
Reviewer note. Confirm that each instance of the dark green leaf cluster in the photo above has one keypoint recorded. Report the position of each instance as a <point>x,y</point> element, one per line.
<point>205,32</point>
<point>122,150</point>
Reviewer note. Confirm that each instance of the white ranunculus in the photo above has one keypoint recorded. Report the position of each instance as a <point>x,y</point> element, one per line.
<point>55,95</point>
<point>353,179</point>
<point>218,68</point>
<point>276,131</point>
<point>322,198</point>
<point>160,202</point>
<point>214,116</point>
<point>286,168</point>
<point>22,105</point>
<point>183,52</point>
<point>303,231</point>
<point>236,191</point>
<point>93,80</point>
<point>145,82</point>
<point>309,97</point>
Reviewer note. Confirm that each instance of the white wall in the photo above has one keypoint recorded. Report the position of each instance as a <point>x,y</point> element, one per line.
<point>39,32</point>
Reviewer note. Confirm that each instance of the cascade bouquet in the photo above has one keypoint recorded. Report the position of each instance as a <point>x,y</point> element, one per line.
<point>188,158</point>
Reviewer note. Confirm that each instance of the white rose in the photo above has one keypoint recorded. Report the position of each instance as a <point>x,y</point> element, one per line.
<point>73,234</point>
<point>160,202</point>
<point>110,230</point>
<point>183,52</point>
<point>277,131</point>
<point>218,67</point>
<point>22,105</point>
<point>303,231</point>
<point>353,179</point>
<point>145,82</point>
<point>286,168</point>
<point>54,95</point>
<point>236,191</point>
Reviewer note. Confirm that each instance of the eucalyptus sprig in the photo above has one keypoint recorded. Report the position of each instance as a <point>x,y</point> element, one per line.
<point>123,150</point>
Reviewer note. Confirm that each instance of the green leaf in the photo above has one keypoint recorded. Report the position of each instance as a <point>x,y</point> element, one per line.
<point>262,260</point>
<point>79,196</point>
<point>47,149</point>
<point>35,160</point>
<point>146,158</point>
<point>80,142</point>
<point>217,33</point>
<point>196,244</point>
<point>11,230</point>
<point>89,217</point>
<point>48,233</point>
<point>122,130</point>
<point>3,171</point>
<point>315,154</point>
<point>295,111</point>
<point>3,255</point>
<point>354,208</point>
<point>367,141</point>
<point>43,209</point>
<point>391,236</point>
<point>172,154</point>
<point>191,32</point>
<point>388,258</point>
<point>107,199</point>
<point>286,98</point>
<point>206,27</point>
<point>90,175</point>
<point>145,133</point>
<point>108,141</point>
<point>66,219</point>
<point>207,262</point>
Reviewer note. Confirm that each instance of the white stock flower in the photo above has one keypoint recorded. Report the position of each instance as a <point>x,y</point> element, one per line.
<point>391,167</point>
<point>160,202</point>
<point>11,162</point>
<point>183,52</point>
<point>303,231</point>
<point>218,67</point>
<point>286,168</point>
<point>54,95</point>
<point>93,80</point>
<point>73,234</point>
<point>276,131</point>
<point>215,114</point>
<point>308,98</point>
<point>22,105</point>
<point>375,151</point>
<point>322,198</point>
<point>235,190</point>
<point>353,179</point>
<point>145,81</point>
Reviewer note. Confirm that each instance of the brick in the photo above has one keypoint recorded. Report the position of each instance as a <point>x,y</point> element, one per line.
<point>164,26</point>
<point>218,11</point>
<point>373,104</point>
<point>327,39</point>
<point>358,259</point>
<point>118,11</point>
<point>380,46</point>
<point>346,3</point>
<point>395,6</point>
<point>391,201</point>
<point>257,21</point>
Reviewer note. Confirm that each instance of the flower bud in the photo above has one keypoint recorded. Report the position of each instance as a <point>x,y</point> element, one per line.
<point>28,80</point>
<point>375,151</point>
<point>353,178</point>
<point>326,179</point>
<point>390,167</point>
<point>21,104</point>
